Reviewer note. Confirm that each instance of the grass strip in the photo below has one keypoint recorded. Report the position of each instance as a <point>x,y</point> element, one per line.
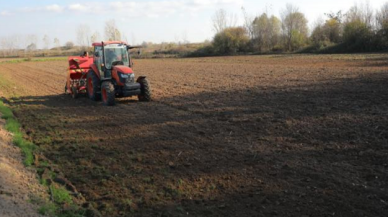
<point>13,126</point>
<point>60,196</point>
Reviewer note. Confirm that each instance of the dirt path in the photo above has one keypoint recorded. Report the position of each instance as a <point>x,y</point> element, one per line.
<point>18,185</point>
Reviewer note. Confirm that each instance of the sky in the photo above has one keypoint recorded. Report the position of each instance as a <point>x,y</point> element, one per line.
<point>144,20</point>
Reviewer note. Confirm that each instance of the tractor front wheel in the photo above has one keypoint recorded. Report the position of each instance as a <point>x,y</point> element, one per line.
<point>93,86</point>
<point>74,92</point>
<point>108,93</point>
<point>145,95</point>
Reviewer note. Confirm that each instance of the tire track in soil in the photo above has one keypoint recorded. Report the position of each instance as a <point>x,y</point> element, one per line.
<point>25,77</point>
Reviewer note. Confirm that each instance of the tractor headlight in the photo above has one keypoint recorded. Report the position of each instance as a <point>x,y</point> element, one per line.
<point>124,76</point>
<point>127,78</point>
<point>131,78</point>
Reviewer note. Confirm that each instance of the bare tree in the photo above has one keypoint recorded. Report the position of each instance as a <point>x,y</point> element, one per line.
<point>368,14</point>
<point>232,21</point>
<point>133,39</point>
<point>117,35</point>
<point>95,37</point>
<point>111,31</point>
<point>83,35</point>
<point>360,13</point>
<point>220,20</point>
<point>57,43</point>
<point>382,16</point>
<point>176,39</point>
<point>248,22</point>
<point>46,42</point>
<point>32,40</point>
<point>7,45</point>
<point>124,38</point>
<point>185,40</point>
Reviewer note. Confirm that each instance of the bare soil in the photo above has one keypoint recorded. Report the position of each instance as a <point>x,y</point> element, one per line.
<point>18,185</point>
<point>288,135</point>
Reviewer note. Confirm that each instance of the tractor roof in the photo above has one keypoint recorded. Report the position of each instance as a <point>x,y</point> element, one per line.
<point>108,42</point>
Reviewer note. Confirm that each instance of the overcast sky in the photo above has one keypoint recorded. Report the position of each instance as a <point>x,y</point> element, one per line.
<point>143,20</point>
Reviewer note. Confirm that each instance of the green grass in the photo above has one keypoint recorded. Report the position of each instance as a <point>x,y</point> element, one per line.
<point>48,209</point>
<point>61,195</point>
<point>6,112</point>
<point>13,126</point>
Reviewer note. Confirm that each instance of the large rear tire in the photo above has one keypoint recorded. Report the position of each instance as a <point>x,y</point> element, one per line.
<point>108,93</point>
<point>145,95</point>
<point>93,86</point>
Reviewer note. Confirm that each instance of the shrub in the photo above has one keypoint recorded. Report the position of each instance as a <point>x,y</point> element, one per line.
<point>358,36</point>
<point>231,41</point>
<point>69,45</point>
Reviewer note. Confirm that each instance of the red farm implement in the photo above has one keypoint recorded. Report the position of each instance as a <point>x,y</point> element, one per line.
<point>76,77</point>
<point>106,75</point>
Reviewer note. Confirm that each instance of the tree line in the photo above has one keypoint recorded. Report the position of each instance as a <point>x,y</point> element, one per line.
<point>360,29</point>
<point>32,45</point>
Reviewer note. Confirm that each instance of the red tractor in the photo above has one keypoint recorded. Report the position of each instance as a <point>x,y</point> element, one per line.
<point>107,75</point>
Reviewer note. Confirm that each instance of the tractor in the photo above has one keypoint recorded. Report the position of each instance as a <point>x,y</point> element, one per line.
<point>109,74</point>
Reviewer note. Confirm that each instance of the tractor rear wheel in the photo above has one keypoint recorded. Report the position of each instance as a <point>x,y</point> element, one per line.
<point>108,93</point>
<point>93,86</point>
<point>145,95</point>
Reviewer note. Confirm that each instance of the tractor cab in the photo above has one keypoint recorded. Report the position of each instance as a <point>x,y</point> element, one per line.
<point>110,54</point>
<point>111,74</point>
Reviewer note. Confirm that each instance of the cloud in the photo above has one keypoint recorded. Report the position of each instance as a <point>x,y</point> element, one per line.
<point>54,8</point>
<point>78,8</point>
<point>49,8</point>
<point>5,13</point>
<point>151,9</point>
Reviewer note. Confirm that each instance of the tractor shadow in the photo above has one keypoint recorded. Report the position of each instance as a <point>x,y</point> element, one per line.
<point>245,152</point>
<point>64,101</point>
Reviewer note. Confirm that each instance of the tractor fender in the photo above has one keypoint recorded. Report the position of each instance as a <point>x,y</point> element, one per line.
<point>138,80</point>
<point>95,70</point>
<point>140,77</point>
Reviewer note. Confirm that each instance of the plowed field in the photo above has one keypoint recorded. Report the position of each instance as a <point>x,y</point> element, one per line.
<point>227,136</point>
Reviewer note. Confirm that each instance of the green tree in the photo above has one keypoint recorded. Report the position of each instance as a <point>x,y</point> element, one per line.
<point>358,36</point>
<point>333,30</point>
<point>260,32</point>
<point>328,33</point>
<point>358,29</point>
<point>382,25</point>
<point>294,23</point>
<point>266,32</point>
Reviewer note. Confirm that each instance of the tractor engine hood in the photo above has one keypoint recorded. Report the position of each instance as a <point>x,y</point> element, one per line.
<point>123,69</point>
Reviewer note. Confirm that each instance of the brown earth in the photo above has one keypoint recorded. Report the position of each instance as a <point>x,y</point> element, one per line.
<point>290,135</point>
<point>18,185</point>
